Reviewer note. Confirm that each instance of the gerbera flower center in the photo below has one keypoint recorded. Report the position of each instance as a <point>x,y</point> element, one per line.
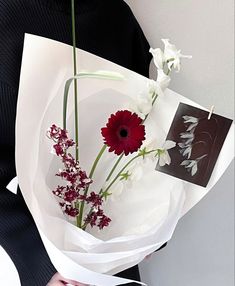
<point>123,132</point>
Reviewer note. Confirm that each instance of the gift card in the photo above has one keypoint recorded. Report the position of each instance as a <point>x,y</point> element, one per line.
<point>199,139</point>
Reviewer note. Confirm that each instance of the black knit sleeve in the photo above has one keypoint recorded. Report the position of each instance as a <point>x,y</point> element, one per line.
<point>8,97</point>
<point>139,53</point>
<point>21,240</point>
<point>141,56</point>
<point>18,233</point>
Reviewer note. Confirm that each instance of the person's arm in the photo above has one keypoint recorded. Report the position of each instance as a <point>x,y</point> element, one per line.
<point>20,239</point>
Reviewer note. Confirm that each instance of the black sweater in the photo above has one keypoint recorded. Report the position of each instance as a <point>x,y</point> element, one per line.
<point>106,28</point>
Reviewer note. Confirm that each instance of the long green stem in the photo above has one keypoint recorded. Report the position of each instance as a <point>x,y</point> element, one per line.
<point>75,81</point>
<point>114,167</point>
<point>97,161</point>
<point>80,217</point>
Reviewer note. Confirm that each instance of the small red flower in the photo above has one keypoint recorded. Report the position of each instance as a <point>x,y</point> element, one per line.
<point>104,221</point>
<point>124,132</point>
<point>95,199</point>
<point>70,196</point>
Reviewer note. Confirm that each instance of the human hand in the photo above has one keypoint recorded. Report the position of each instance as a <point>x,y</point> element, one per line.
<point>58,280</point>
<point>148,256</point>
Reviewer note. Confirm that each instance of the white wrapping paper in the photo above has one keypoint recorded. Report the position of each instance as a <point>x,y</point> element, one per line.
<point>148,211</point>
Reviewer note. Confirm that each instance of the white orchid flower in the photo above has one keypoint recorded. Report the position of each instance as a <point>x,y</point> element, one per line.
<point>173,56</point>
<point>144,101</point>
<point>163,154</point>
<point>141,107</point>
<point>158,57</point>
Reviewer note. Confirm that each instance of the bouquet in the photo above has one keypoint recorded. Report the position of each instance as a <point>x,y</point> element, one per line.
<point>98,200</point>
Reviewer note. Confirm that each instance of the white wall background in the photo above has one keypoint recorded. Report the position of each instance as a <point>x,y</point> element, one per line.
<point>201,252</point>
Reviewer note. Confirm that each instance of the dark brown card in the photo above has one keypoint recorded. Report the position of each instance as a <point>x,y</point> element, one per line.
<point>198,144</point>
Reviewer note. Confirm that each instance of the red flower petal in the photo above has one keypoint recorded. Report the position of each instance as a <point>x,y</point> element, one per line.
<point>123,132</point>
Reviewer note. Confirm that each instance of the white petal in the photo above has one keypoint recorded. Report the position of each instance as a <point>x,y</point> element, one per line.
<point>167,158</point>
<point>187,135</point>
<point>182,145</point>
<point>192,126</point>
<point>190,119</point>
<point>189,141</point>
<point>133,107</point>
<point>169,144</point>
<point>188,150</point>
<point>191,164</point>
<point>186,56</point>
<point>185,162</point>
<point>162,161</point>
<point>166,42</point>
<point>194,170</point>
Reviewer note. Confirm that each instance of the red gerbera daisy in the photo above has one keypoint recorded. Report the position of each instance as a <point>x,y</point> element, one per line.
<point>124,132</point>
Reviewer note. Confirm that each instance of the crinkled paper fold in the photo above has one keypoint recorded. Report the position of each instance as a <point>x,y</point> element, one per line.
<point>145,215</point>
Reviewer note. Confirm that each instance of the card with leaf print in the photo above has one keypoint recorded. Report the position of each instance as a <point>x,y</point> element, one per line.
<point>198,144</point>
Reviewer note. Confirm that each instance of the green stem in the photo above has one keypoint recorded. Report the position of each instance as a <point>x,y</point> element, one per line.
<point>154,99</point>
<point>75,81</point>
<point>123,169</point>
<point>114,167</point>
<point>96,161</point>
<point>80,217</point>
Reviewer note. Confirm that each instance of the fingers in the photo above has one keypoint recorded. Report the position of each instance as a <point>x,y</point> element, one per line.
<point>74,283</point>
<point>58,280</point>
<point>148,256</point>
